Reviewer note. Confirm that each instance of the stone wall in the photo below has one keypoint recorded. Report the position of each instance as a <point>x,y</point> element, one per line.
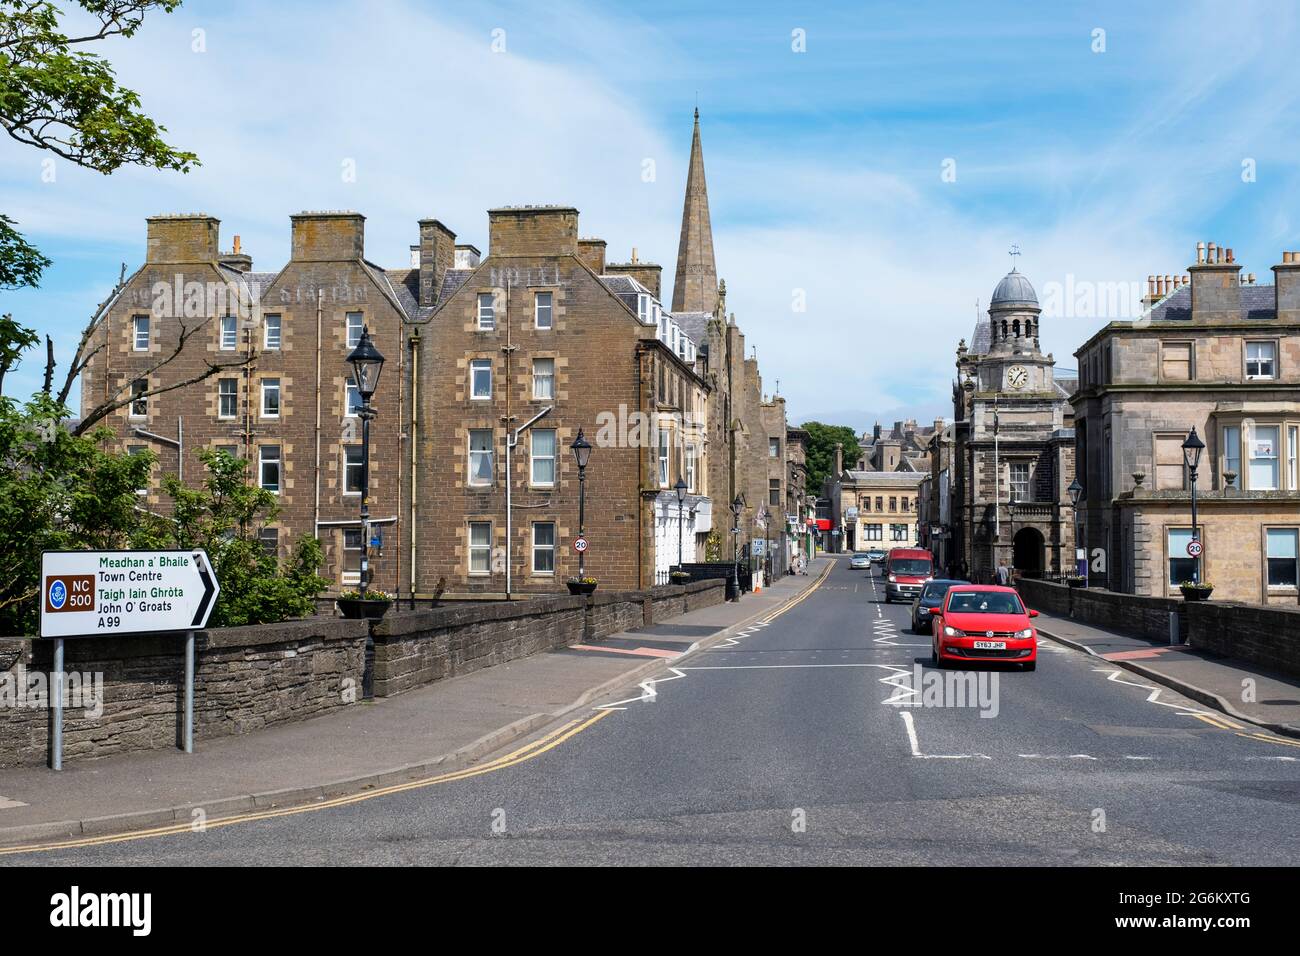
<point>1269,636</point>
<point>1146,617</point>
<point>418,648</point>
<point>246,678</point>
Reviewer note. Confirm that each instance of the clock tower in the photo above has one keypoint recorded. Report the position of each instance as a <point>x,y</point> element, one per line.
<point>1015,443</point>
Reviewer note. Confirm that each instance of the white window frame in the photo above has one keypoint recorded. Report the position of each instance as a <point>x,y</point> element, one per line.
<point>473,550</point>
<point>543,549</point>
<point>473,453</point>
<point>349,467</point>
<point>346,575</point>
<point>1275,458</point>
<point>350,389</point>
<point>278,461</point>
<point>140,330</point>
<point>1181,555</point>
<point>1293,452</point>
<point>269,386</point>
<point>534,459</point>
<point>487,318</point>
<point>475,367</point>
<point>1295,536</point>
<point>139,407</point>
<point>643,309</point>
<point>663,457</point>
<point>1231,438</point>
<point>549,310</point>
<point>1021,489</point>
<point>233,395</point>
<point>690,468</point>
<point>1259,376</point>
<point>353,322</point>
<point>229,333</point>
<point>269,344</point>
<point>547,394</point>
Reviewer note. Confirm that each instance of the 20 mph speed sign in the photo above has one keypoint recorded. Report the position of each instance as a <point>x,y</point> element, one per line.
<point>580,545</point>
<point>1194,548</point>
<point>86,593</point>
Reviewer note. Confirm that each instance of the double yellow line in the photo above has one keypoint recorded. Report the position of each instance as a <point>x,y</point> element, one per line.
<point>1223,723</point>
<point>527,752</point>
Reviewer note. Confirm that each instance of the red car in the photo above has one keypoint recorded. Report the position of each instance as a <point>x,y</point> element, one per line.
<point>983,623</point>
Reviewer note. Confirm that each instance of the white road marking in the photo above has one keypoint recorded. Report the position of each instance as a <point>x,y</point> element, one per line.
<point>774,667</point>
<point>7,804</point>
<point>648,691</point>
<point>916,746</point>
<point>1183,709</point>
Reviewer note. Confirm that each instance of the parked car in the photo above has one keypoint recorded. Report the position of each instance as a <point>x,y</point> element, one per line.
<point>983,623</point>
<point>860,561</point>
<point>907,570</point>
<point>877,556</point>
<point>931,597</point>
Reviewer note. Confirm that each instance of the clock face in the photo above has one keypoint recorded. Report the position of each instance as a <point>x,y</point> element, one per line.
<point>1017,376</point>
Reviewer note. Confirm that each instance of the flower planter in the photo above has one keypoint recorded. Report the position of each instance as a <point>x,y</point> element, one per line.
<point>1197,594</point>
<point>356,609</point>
<point>1075,582</point>
<point>581,587</point>
<point>682,578</point>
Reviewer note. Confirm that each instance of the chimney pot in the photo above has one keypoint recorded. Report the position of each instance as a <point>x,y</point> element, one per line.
<point>1200,253</point>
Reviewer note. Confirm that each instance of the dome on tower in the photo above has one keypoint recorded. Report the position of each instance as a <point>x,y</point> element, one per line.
<point>1014,289</point>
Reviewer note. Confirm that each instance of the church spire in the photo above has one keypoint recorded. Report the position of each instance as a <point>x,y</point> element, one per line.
<point>695,288</point>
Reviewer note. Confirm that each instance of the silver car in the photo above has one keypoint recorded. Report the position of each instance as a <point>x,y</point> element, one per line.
<point>860,561</point>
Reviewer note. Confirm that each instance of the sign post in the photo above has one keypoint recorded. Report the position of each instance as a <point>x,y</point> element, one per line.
<point>93,593</point>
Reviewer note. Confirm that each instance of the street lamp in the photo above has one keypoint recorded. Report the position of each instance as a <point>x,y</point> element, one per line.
<point>581,454</point>
<point>1192,448</point>
<point>680,488</point>
<point>1080,564</point>
<point>367,364</point>
<point>737,506</point>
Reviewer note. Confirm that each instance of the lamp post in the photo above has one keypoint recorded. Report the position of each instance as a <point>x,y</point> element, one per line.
<point>1011,515</point>
<point>581,454</point>
<point>1192,448</point>
<point>680,488</point>
<point>367,363</point>
<point>737,506</point>
<point>1080,564</point>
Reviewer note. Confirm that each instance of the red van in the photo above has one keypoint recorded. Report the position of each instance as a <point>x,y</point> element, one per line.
<point>907,570</point>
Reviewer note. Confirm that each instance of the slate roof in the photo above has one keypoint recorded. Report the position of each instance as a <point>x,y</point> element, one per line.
<point>1258,302</point>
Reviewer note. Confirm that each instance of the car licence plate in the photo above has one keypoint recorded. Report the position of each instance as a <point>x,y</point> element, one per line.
<point>990,645</point>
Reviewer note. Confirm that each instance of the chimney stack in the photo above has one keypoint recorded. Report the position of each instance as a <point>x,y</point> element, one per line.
<point>437,255</point>
<point>1216,287</point>
<point>235,259</point>
<point>182,238</point>
<point>327,236</point>
<point>1286,287</point>
<point>839,459</point>
<point>592,252</point>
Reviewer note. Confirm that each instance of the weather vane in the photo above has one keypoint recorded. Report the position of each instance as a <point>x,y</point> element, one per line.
<point>1013,252</point>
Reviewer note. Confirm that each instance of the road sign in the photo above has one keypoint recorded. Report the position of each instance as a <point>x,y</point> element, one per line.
<point>87,593</point>
<point>1194,548</point>
<point>580,545</point>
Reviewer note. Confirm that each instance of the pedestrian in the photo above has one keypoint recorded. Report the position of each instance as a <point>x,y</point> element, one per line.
<point>1003,575</point>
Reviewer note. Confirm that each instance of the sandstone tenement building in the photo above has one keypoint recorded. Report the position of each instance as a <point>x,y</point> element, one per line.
<point>476,346</point>
<point>1221,354</point>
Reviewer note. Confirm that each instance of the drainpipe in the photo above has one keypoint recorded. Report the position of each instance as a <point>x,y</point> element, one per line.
<point>415,425</point>
<point>320,295</point>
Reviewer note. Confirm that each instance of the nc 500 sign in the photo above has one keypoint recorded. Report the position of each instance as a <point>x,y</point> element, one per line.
<point>117,592</point>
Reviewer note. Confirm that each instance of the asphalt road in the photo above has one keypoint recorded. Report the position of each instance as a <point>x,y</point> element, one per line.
<point>786,745</point>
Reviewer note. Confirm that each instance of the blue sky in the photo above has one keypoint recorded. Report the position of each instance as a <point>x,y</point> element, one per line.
<point>824,166</point>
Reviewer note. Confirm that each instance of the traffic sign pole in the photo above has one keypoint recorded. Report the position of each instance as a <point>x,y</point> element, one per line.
<point>56,748</point>
<point>189,692</point>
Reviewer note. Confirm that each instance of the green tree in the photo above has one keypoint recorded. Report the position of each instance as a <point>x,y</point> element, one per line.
<point>58,97</point>
<point>821,450</point>
<point>60,491</point>
<point>224,517</point>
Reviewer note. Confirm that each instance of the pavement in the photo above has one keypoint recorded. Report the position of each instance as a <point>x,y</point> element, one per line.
<point>818,733</point>
<point>1238,688</point>
<point>440,728</point>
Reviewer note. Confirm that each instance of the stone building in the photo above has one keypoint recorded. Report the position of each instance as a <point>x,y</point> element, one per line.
<point>1013,445</point>
<point>904,448</point>
<point>874,508</point>
<point>285,405</point>
<point>475,347</point>
<point>542,323</point>
<point>1221,355</point>
<point>934,514</point>
<point>744,426</point>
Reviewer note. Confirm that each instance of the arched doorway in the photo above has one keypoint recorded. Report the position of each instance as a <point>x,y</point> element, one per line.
<point>1028,552</point>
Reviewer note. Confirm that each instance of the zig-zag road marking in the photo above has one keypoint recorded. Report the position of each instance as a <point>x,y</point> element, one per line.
<point>1183,709</point>
<point>648,691</point>
<point>902,691</point>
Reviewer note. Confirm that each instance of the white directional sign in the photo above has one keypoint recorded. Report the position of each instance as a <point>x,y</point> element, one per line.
<point>85,593</point>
